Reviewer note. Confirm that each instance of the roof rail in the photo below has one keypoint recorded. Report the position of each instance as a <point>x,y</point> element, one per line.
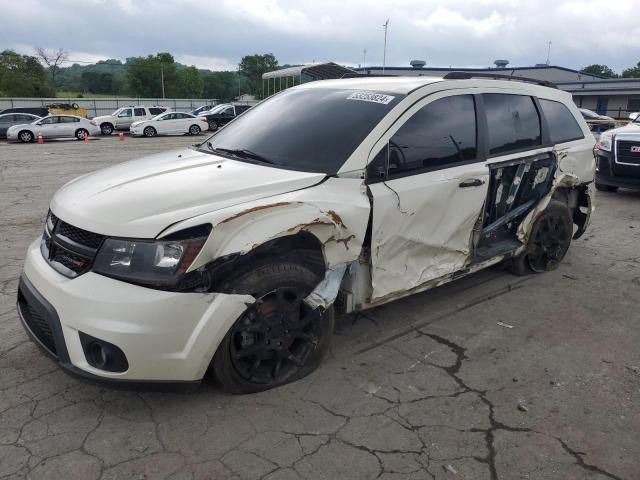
<point>496,76</point>
<point>366,75</point>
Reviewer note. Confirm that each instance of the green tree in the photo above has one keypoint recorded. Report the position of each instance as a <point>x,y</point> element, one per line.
<point>22,76</point>
<point>191,83</point>
<point>601,70</point>
<point>220,85</point>
<point>145,76</point>
<point>252,67</point>
<point>633,72</point>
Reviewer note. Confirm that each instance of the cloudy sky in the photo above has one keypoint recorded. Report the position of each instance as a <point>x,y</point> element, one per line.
<point>216,34</point>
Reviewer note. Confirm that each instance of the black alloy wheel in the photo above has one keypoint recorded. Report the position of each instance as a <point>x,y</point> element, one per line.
<point>275,337</point>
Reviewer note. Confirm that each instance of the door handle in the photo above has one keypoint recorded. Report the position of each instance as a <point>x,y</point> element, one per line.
<point>472,182</point>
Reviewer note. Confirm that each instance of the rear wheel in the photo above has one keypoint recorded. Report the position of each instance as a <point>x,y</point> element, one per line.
<point>549,241</point>
<point>25,136</point>
<point>605,188</point>
<point>277,340</point>
<point>81,133</point>
<point>194,130</point>
<point>213,125</point>
<point>149,132</point>
<point>106,129</point>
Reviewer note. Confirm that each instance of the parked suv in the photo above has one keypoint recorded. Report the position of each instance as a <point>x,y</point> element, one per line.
<point>618,158</point>
<point>223,114</point>
<point>235,254</point>
<point>122,118</point>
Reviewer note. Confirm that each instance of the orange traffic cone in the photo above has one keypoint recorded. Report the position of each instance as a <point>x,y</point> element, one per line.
<point>86,137</point>
<point>40,141</point>
<point>121,137</point>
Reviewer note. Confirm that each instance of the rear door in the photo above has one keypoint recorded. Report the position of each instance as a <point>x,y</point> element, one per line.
<point>5,122</point>
<point>428,181</point>
<point>67,126</point>
<point>139,114</point>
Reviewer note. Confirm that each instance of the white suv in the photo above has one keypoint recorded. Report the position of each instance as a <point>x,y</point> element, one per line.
<point>122,118</point>
<point>234,255</point>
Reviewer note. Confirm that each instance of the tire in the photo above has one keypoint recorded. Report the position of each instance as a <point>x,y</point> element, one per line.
<point>213,126</point>
<point>26,136</point>
<point>194,130</point>
<point>605,188</point>
<point>277,340</point>
<point>81,133</point>
<point>548,242</point>
<point>106,129</point>
<point>149,132</point>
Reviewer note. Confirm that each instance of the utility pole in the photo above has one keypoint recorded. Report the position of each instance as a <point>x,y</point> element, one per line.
<point>548,52</point>
<point>364,58</point>
<point>384,57</point>
<point>162,77</point>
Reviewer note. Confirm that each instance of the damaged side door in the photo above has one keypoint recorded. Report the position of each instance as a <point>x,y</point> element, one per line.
<point>428,185</point>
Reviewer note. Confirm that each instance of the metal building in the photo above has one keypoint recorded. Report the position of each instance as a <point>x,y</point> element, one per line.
<point>278,80</point>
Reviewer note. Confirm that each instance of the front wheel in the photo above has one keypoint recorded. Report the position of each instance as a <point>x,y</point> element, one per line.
<point>194,130</point>
<point>548,242</point>
<point>277,340</point>
<point>106,129</point>
<point>213,126</point>
<point>25,136</point>
<point>81,133</point>
<point>149,132</point>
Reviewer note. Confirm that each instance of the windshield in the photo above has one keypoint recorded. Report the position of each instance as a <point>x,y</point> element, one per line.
<point>116,112</point>
<point>313,130</point>
<point>217,108</point>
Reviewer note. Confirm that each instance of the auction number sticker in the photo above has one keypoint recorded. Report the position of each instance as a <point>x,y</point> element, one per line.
<point>371,97</point>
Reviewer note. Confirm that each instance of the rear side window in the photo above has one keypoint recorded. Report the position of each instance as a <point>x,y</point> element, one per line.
<point>513,123</point>
<point>562,124</point>
<point>440,134</point>
<point>156,111</point>
<point>139,112</point>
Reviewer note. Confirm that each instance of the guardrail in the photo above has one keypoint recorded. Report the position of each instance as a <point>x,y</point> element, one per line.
<point>104,106</point>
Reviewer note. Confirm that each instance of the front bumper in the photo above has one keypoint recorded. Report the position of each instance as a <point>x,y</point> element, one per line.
<point>166,336</point>
<point>136,131</point>
<point>12,135</point>
<point>609,173</point>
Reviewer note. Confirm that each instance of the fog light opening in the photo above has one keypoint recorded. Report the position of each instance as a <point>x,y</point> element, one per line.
<point>103,355</point>
<point>98,354</point>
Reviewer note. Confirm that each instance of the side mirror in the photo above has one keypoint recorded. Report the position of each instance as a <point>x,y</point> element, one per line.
<point>381,172</point>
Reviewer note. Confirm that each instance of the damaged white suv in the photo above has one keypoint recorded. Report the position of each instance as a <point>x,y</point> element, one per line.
<point>233,256</point>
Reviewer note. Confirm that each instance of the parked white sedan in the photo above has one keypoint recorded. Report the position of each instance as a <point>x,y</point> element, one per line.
<point>54,126</point>
<point>169,123</point>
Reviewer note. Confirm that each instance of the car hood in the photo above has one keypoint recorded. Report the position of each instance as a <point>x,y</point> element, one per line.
<point>141,198</point>
<point>102,118</point>
<point>20,125</point>
<point>139,122</point>
<point>629,128</point>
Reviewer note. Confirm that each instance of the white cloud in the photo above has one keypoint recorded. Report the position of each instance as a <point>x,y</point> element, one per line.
<point>211,63</point>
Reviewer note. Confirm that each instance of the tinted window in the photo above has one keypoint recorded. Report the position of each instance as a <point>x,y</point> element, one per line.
<point>68,120</point>
<point>316,130</point>
<point>439,134</point>
<point>156,111</point>
<point>25,118</point>
<point>125,113</point>
<point>562,125</point>
<point>49,121</point>
<point>139,112</point>
<point>513,122</point>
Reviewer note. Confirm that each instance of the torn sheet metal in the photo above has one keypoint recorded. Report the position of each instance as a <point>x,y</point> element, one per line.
<point>427,234</point>
<point>326,291</point>
<point>335,212</point>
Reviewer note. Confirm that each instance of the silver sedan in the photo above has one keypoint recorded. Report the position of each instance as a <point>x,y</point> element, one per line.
<point>54,126</point>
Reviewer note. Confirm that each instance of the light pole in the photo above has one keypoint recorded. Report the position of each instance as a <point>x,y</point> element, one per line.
<point>364,58</point>
<point>548,52</point>
<point>384,57</point>
<point>162,77</point>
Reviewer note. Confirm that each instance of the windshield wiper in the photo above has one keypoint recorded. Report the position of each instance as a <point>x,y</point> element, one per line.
<point>241,153</point>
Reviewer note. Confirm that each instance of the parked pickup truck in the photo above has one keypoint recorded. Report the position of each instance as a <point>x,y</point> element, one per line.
<point>618,158</point>
<point>122,118</point>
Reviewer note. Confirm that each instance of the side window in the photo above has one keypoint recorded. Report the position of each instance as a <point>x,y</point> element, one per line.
<point>440,134</point>
<point>24,118</point>
<point>125,113</point>
<point>180,116</point>
<point>513,122</point>
<point>156,111</point>
<point>49,121</point>
<point>562,124</point>
<point>139,112</point>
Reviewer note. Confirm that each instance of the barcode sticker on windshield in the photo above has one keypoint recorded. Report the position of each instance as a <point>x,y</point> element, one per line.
<point>371,97</point>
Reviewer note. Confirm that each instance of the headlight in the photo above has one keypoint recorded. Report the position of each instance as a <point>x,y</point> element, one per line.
<point>605,143</point>
<point>155,263</point>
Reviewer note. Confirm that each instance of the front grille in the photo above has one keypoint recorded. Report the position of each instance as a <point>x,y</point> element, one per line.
<point>624,153</point>
<point>36,323</point>
<point>69,250</point>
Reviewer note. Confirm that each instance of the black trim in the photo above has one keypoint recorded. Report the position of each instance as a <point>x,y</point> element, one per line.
<point>460,75</point>
<point>37,301</point>
<point>621,182</point>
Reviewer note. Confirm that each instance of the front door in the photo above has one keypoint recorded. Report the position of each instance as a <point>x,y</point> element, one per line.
<point>124,119</point>
<point>428,183</point>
